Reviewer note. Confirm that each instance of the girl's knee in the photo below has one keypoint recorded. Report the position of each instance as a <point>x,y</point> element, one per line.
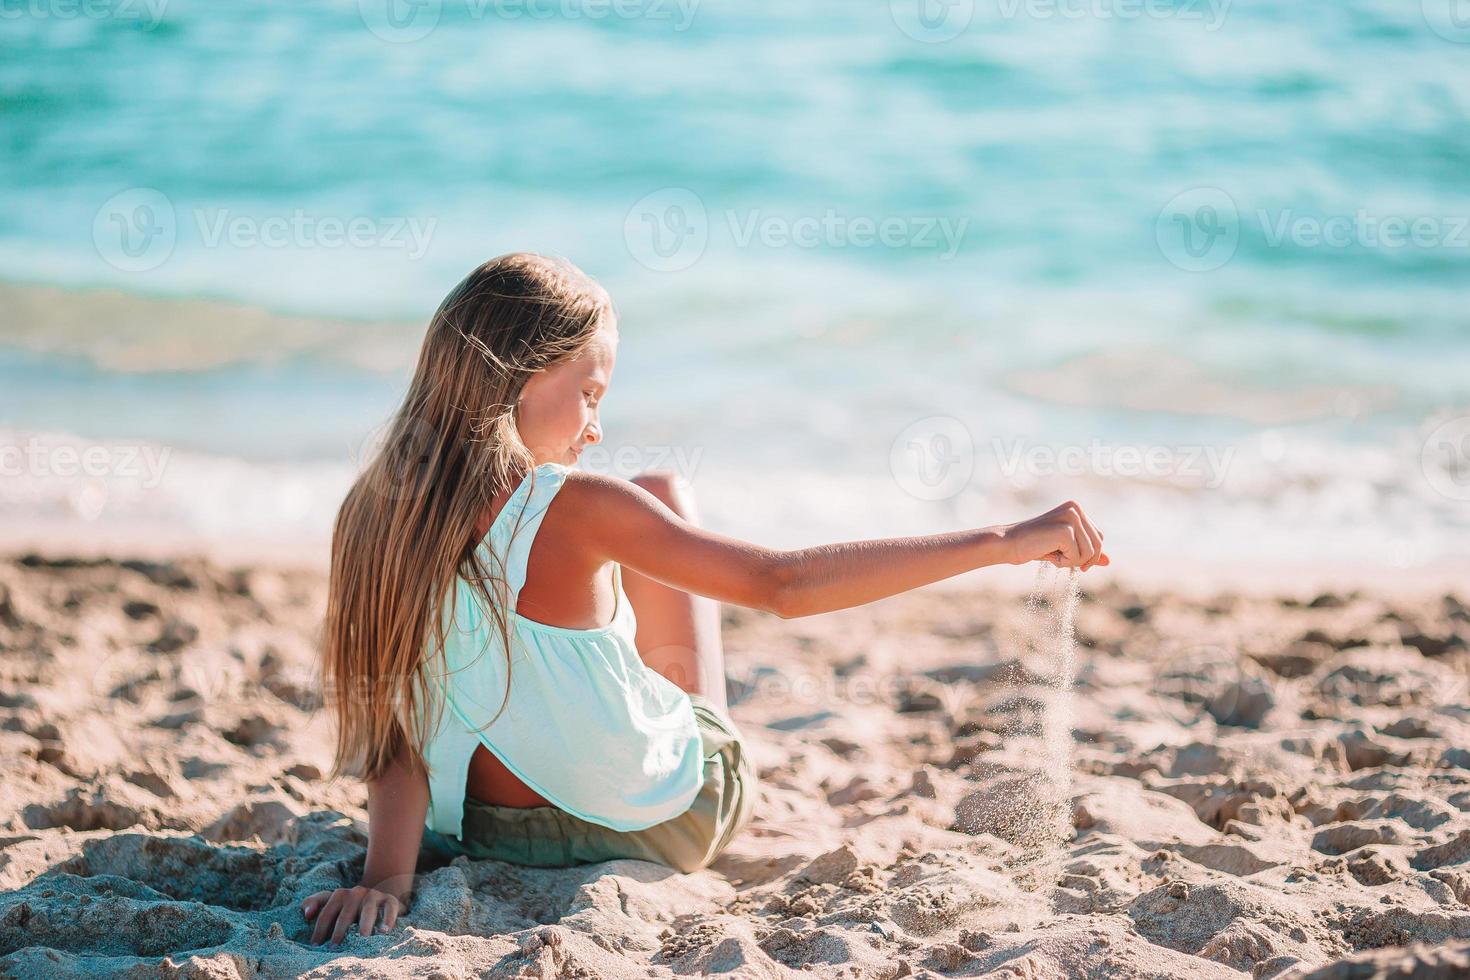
<point>671,488</point>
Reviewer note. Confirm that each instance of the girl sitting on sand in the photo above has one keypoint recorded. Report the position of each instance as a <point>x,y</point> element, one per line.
<point>472,534</point>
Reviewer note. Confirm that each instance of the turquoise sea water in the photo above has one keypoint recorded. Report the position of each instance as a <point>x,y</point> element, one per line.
<point>828,227</point>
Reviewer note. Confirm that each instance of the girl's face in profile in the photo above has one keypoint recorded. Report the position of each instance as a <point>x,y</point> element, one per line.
<point>557,412</point>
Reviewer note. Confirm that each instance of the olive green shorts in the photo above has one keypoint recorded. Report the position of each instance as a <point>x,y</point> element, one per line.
<point>549,837</point>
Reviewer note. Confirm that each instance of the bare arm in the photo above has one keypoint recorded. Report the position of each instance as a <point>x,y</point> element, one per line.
<point>397,805</point>
<point>631,526</point>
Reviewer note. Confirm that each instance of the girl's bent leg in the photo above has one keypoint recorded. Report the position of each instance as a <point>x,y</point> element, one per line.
<point>678,633</point>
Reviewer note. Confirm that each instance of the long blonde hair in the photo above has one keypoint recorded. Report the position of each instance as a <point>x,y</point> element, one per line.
<point>407,527</point>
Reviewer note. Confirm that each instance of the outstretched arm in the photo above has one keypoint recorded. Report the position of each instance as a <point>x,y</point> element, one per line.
<point>627,524</point>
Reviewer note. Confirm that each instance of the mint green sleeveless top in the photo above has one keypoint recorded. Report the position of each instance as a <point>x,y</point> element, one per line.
<point>587,725</point>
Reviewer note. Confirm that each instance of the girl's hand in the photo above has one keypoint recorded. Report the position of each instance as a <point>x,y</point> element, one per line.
<point>335,911</point>
<point>1063,536</point>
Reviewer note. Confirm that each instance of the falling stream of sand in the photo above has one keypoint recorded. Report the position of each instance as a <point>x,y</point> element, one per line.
<point>1031,806</point>
<point>1061,649</point>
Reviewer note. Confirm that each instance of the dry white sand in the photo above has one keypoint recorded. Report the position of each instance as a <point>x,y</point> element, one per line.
<point>1262,786</point>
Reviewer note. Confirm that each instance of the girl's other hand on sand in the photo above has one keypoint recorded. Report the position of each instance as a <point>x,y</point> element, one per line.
<point>1063,536</point>
<point>335,911</point>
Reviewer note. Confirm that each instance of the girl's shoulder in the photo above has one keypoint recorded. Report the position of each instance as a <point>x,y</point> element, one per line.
<point>587,485</point>
<point>571,500</point>
<point>577,500</point>
<point>593,497</point>
<point>544,477</point>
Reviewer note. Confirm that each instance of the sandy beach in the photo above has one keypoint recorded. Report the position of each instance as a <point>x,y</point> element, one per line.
<point>1266,784</point>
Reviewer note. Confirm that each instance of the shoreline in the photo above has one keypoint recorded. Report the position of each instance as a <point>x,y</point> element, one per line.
<point>1300,579</point>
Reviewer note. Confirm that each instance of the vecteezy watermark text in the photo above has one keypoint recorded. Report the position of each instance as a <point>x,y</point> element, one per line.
<point>146,12</point>
<point>1206,464</point>
<point>1200,229</point>
<point>627,461</point>
<point>933,458</point>
<point>405,21</point>
<point>670,230</point>
<point>937,21</point>
<point>36,458</point>
<point>302,229</point>
<point>1211,13</point>
<point>832,229</point>
<point>138,229</point>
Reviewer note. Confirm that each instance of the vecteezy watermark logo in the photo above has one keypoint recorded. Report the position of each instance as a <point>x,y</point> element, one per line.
<point>1450,19</point>
<point>1199,230</point>
<point>400,21</point>
<point>400,459</point>
<point>403,21</point>
<point>935,21</point>
<point>668,230</point>
<point>1211,12</point>
<point>932,21</point>
<point>1195,680</point>
<point>933,458</point>
<point>1205,466</point>
<point>1445,459</point>
<point>136,230</point>
<point>147,12</point>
